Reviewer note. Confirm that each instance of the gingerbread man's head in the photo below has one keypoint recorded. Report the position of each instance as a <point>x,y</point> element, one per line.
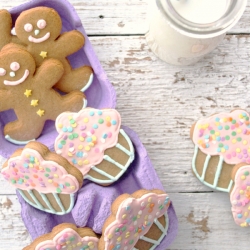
<point>38,25</point>
<point>16,66</point>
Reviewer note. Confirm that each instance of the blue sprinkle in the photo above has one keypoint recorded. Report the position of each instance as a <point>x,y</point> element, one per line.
<point>244,114</point>
<point>207,145</point>
<point>206,136</point>
<point>95,126</point>
<point>60,146</point>
<point>218,149</point>
<point>217,119</point>
<point>117,247</point>
<point>226,147</point>
<point>113,122</point>
<point>91,113</point>
<point>74,161</point>
<point>61,186</point>
<point>79,154</point>
<point>104,136</point>
<point>220,127</point>
<point>70,129</point>
<point>64,129</point>
<point>99,112</point>
<point>247,220</point>
<point>89,139</point>
<point>239,216</point>
<point>32,159</point>
<point>26,165</point>
<point>218,138</point>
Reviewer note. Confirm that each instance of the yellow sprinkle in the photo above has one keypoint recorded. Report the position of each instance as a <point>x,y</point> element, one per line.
<point>241,192</point>
<point>127,235</point>
<point>67,242</point>
<point>50,181</point>
<point>124,216</point>
<point>94,138</point>
<point>119,238</point>
<point>240,115</point>
<point>245,142</point>
<point>249,208</point>
<point>108,118</point>
<point>86,162</point>
<point>199,126</point>
<point>110,236</point>
<point>31,165</point>
<point>72,187</point>
<point>56,175</point>
<point>85,120</point>
<point>135,235</point>
<point>70,117</point>
<point>238,130</point>
<point>224,119</point>
<point>217,124</point>
<point>79,163</point>
<point>234,141</point>
<point>73,125</point>
<point>91,144</point>
<point>43,54</point>
<point>40,112</point>
<point>223,150</point>
<point>146,217</point>
<point>59,125</point>
<point>217,133</point>
<point>149,199</point>
<point>80,147</point>
<point>248,187</point>
<point>206,125</point>
<point>238,150</point>
<point>246,214</point>
<point>81,138</point>
<point>243,177</point>
<point>87,148</point>
<point>79,243</point>
<point>27,156</point>
<point>69,154</point>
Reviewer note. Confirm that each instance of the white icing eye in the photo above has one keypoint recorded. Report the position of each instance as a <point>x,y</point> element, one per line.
<point>12,74</point>
<point>28,27</point>
<point>15,66</point>
<point>41,24</point>
<point>2,72</point>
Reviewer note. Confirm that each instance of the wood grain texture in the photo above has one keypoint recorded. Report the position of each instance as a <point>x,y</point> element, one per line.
<point>160,102</point>
<point>126,17</point>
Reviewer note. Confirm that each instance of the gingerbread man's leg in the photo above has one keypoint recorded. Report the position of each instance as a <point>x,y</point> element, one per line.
<point>5,27</point>
<point>75,79</point>
<point>22,131</point>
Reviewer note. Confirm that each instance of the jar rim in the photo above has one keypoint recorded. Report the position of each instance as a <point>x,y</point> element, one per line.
<point>222,25</point>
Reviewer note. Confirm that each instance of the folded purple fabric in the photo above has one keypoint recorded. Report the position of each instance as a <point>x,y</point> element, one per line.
<point>93,204</point>
<point>100,94</point>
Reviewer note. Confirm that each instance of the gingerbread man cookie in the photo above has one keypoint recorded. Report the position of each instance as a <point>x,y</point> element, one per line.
<point>39,29</point>
<point>30,94</point>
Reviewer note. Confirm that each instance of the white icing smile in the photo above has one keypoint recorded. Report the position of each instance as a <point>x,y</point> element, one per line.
<point>12,83</point>
<point>39,40</point>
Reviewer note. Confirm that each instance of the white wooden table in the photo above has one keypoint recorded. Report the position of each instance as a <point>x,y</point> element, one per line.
<point>160,102</point>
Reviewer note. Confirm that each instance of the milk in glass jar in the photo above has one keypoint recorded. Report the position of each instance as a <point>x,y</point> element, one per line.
<point>182,31</point>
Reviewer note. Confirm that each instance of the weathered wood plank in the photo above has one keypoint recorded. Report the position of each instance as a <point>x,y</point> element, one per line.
<point>205,222</point>
<point>107,17</point>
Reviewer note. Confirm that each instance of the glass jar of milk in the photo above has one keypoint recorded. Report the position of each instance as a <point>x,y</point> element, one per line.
<point>183,31</point>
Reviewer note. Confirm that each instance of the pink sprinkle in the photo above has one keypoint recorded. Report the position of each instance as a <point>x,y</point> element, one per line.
<point>243,187</point>
<point>84,135</point>
<point>240,156</point>
<point>109,134</point>
<point>125,242</point>
<point>97,150</point>
<point>228,156</point>
<point>201,131</point>
<point>233,154</point>
<point>40,179</point>
<point>92,131</point>
<point>65,235</point>
<point>232,127</point>
<point>58,247</point>
<point>131,229</point>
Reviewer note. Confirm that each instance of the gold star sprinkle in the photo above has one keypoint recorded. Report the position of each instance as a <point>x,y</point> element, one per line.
<point>43,54</point>
<point>40,112</point>
<point>28,92</point>
<point>34,103</point>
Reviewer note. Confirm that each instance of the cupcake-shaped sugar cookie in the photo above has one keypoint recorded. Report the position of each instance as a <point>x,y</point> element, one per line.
<point>240,194</point>
<point>93,141</point>
<point>221,141</point>
<point>66,236</point>
<point>45,180</point>
<point>138,221</point>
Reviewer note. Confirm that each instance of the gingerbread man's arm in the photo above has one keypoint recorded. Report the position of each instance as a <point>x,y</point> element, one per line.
<point>5,27</point>
<point>5,97</point>
<point>70,42</point>
<point>49,73</point>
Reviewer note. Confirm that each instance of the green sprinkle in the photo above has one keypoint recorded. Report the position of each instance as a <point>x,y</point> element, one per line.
<point>63,142</point>
<point>221,145</point>
<point>67,184</point>
<point>71,137</point>
<point>212,132</point>
<point>233,121</point>
<point>46,175</point>
<point>13,181</point>
<point>227,137</point>
<point>246,173</point>
<point>58,190</point>
<point>48,170</point>
<point>100,121</point>
<point>26,177</point>
<point>227,127</point>
<point>239,139</point>
<point>124,229</point>
<point>75,135</point>
<point>72,238</point>
<point>72,121</point>
<point>233,133</point>
<point>247,118</point>
<point>134,218</point>
<point>117,229</point>
<point>131,241</point>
